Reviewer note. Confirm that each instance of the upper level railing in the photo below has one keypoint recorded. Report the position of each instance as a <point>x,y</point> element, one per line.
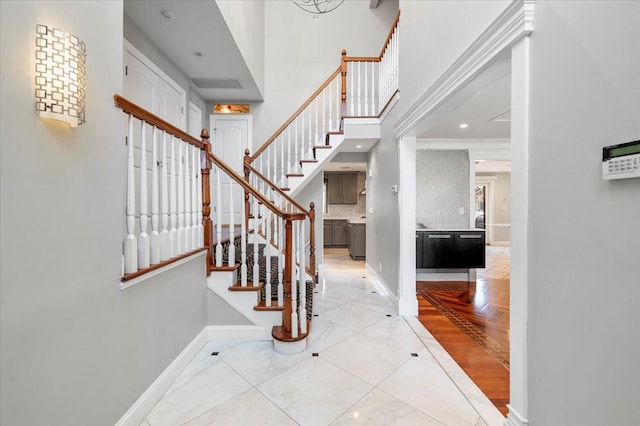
<point>360,87</point>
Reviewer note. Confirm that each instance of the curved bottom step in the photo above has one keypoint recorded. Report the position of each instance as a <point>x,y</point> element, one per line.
<point>290,348</point>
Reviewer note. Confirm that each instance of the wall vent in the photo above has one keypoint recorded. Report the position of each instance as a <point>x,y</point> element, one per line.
<point>217,83</point>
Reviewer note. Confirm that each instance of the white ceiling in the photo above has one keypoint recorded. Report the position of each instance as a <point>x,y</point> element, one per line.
<point>196,26</point>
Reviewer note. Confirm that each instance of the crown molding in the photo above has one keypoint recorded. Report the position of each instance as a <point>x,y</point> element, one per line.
<point>515,22</point>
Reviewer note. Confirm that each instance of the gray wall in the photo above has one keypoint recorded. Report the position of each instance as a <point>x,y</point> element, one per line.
<point>442,187</point>
<point>584,283</point>
<point>75,349</point>
<point>313,192</point>
<point>134,35</point>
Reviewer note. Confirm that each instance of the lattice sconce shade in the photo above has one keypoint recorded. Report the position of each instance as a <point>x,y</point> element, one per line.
<point>60,75</point>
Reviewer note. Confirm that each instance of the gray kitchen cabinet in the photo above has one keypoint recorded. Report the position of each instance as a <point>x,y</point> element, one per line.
<point>335,233</point>
<point>357,240</point>
<point>342,188</point>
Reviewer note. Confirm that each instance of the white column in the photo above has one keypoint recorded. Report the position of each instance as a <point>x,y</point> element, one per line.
<point>143,238</point>
<point>130,241</point>
<point>406,205</point>
<point>155,251</point>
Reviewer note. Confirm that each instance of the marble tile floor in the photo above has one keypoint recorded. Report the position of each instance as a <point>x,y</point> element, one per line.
<point>363,365</point>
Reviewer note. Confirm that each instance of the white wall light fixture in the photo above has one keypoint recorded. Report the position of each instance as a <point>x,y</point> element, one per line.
<point>60,76</point>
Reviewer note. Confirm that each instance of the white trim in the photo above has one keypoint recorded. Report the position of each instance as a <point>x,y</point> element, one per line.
<point>408,303</point>
<point>425,275</point>
<point>143,406</point>
<point>501,243</point>
<point>141,278</point>
<point>515,22</point>
<point>515,419</point>
<point>238,332</point>
<point>489,201</point>
<point>381,286</point>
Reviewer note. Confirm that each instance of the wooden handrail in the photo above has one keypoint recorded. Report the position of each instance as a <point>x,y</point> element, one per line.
<point>130,108</point>
<point>362,58</point>
<point>250,189</point>
<point>295,115</point>
<point>276,188</point>
<point>391,31</point>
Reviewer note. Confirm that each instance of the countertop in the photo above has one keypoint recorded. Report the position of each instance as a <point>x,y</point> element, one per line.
<point>354,220</point>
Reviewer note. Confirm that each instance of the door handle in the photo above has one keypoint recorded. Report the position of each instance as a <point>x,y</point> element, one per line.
<point>439,236</point>
<point>470,236</point>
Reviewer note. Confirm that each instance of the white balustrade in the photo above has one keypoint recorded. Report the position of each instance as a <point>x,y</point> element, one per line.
<point>130,242</point>
<point>187,200</point>
<point>294,293</point>
<point>280,262</point>
<point>165,248</point>
<point>143,237</point>
<point>268,256</point>
<point>218,218</point>
<point>256,265</point>
<point>302,279</point>
<point>231,261</point>
<point>155,249</point>
<point>173,197</point>
<point>243,244</point>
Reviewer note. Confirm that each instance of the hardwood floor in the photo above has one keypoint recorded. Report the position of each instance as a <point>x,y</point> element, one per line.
<point>472,324</point>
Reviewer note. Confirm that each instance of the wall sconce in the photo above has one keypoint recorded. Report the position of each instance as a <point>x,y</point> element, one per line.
<point>60,75</point>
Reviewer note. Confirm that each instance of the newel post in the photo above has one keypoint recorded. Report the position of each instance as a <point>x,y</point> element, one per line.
<point>205,165</point>
<point>312,241</point>
<point>246,162</point>
<point>288,264</point>
<point>343,73</point>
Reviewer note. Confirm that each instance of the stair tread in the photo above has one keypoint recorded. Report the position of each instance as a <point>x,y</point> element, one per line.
<point>294,175</point>
<point>224,268</point>
<point>322,147</point>
<point>262,306</point>
<point>249,287</point>
<point>308,161</point>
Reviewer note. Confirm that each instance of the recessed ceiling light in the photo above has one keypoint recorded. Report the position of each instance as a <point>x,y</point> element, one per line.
<point>358,146</point>
<point>463,125</point>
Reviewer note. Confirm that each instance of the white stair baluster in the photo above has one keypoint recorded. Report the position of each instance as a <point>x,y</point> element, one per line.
<point>256,265</point>
<point>294,293</point>
<point>352,87</point>
<point>180,242</point>
<point>232,228</point>
<point>359,94</point>
<point>187,199</point>
<point>295,143</point>
<point>218,218</point>
<point>268,260</point>
<point>289,150</point>
<point>338,101</point>
<point>155,253</point>
<point>165,252</point>
<point>329,94</point>
<point>303,281</point>
<point>243,245</point>
<point>173,237</point>
<point>194,198</point>
<point>143,238</point>
<point>200,229</point>
<point>130,242</point>
<point>280,263</point>
<point>324,127</point>
<point>366,88</point>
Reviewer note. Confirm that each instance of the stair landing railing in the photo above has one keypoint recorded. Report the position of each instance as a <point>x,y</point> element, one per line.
<point>360,87</point>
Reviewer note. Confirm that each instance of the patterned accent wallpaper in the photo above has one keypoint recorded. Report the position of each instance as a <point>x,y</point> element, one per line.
<point>442,187</point>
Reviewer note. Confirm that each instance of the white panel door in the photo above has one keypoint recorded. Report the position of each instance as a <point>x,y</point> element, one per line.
<point>171,103</point>
<point>195,120</point>
<point>231,136</point>
<point>139,83</point>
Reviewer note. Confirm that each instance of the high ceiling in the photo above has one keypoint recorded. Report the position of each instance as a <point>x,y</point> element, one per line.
<point>181,29</point>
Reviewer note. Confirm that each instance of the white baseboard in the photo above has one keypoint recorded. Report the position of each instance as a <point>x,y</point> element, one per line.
<point>515,419</point>
<point>382,287</point>
<point>238,332</point>
<point>443,276</point>
<point>143,406</point>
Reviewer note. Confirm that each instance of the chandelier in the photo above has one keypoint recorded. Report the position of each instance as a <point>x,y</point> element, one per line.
<point>317,7</point>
